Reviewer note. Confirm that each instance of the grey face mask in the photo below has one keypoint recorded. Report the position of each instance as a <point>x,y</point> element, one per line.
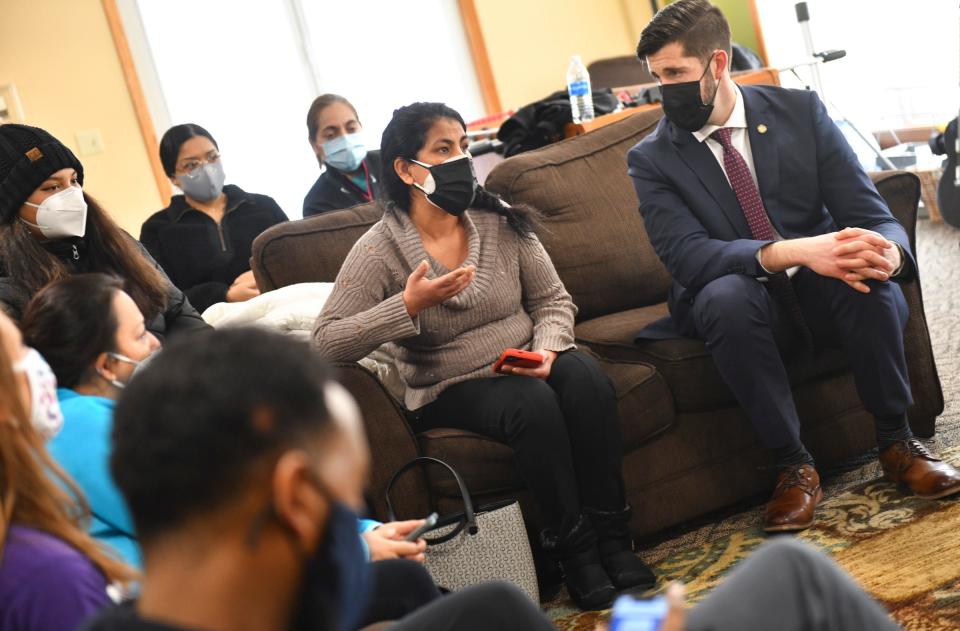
<point>205,183</point>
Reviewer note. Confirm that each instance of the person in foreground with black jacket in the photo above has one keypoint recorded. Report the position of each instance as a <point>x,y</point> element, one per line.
<point>50,229</point>
<point>204,237</point>
<point>243,465</point>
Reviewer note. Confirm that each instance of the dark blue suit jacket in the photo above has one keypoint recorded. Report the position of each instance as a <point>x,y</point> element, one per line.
<point>809,178</point>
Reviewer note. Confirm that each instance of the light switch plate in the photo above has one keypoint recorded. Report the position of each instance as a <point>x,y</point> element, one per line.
<point>10,109</point>
<point>90,142</point>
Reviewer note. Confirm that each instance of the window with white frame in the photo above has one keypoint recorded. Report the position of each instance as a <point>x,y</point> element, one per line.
<point>902,66</point>
<point>247,71</point>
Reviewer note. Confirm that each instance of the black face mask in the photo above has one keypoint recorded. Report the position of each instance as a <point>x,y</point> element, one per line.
<point>682,104</point>
<point>451,185</point>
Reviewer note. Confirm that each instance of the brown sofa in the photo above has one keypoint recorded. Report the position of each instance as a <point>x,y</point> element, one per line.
<point>688,449</point>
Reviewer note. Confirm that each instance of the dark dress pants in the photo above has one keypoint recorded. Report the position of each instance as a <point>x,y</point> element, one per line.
<point>746,332</point>
<point>564,431</point>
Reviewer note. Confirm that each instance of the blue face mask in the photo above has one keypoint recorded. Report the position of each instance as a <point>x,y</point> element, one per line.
<point>345,153</point>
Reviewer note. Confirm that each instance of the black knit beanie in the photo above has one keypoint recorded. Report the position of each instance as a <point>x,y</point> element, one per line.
<point>28,156</point>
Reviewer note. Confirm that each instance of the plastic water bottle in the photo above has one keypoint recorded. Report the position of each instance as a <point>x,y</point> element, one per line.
<point>578,87</point>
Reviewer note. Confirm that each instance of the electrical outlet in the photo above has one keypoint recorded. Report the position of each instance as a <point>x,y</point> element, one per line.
<point>90,142</point>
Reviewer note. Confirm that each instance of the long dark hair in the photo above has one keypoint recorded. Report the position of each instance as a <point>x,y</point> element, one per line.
<point>110,250</point>
<point>70,322</point>
<point>406,134</point>
<point>174,138</point>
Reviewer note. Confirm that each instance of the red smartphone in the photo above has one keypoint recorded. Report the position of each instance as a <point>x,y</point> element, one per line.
<point>519,358</point>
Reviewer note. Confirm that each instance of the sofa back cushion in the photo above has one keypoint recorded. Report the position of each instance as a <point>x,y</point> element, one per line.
<point>309,250</point>
<point>593,228</point>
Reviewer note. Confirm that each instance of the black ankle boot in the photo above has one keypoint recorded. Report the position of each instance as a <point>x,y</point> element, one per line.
<point>576,550</point>
<point>615,544</point>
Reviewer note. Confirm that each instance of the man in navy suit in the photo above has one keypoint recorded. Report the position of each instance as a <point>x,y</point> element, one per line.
<point>776,240</point>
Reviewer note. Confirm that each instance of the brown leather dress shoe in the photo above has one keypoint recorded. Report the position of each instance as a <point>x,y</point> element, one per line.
<point>911,465</point>
<point>794,500</point>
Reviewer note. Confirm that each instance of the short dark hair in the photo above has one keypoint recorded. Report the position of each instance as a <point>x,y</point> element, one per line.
<point>697,25</point>
<point>70,322</point>
<point>319,104</point>
<point>174,138</point>
<point>191,426</point>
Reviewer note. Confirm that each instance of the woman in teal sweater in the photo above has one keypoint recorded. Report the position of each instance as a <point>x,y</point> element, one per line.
<point>93,335</point>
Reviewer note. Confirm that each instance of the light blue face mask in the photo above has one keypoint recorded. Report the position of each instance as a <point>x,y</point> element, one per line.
<point>345,153</point>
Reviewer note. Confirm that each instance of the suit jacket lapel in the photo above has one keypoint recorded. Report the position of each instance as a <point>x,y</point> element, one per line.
<point>766,155</point>
<point>701,161</point>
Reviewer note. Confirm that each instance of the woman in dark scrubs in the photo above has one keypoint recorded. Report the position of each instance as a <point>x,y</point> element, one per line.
<point>351,173</point>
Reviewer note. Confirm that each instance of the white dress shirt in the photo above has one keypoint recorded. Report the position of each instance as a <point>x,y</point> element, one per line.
<point>740,140</point>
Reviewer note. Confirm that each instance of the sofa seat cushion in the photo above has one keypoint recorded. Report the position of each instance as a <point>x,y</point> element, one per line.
<point>644,400</point>
<point>488,466</point>
<point>684,363</point>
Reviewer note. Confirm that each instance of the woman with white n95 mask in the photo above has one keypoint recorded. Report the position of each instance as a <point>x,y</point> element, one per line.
<point>50,229</point>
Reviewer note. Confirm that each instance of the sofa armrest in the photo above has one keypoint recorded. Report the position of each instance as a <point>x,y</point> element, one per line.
<point>901,191</point>
<point>392,444</point>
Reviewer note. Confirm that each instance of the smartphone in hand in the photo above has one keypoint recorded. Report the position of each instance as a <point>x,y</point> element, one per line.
<point>518,358</point>
<point>426,526</point>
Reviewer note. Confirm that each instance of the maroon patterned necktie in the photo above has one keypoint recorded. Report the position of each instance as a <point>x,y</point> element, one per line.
<point>760,227</point>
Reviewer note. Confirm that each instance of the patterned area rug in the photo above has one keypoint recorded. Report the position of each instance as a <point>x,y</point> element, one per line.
<point>903,550</point>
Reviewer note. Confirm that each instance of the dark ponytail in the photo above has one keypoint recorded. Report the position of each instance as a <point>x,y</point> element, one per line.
<point>405,135</point>
<point>525,220</point>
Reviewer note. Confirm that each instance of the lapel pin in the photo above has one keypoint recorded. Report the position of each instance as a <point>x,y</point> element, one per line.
<point>762,128</point>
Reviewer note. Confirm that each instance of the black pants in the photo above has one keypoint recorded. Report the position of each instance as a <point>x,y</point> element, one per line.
<point>788,586</point>
<point>565,432</point>
<point>495,606</point>
<point>745,332</point>
<point>399,587</point>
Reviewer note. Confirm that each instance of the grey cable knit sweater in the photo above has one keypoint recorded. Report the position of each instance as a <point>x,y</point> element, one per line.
<point>516,300</point>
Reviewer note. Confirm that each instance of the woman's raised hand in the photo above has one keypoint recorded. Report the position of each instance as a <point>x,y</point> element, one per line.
<point>422,293</point>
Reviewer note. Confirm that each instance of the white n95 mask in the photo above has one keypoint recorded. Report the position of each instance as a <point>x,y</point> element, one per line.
<point>61,215</point>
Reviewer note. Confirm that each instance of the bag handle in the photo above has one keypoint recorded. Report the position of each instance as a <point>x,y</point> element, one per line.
<point>470,519</point>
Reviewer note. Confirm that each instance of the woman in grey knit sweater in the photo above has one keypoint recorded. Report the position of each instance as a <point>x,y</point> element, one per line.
<point>449,289</point>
